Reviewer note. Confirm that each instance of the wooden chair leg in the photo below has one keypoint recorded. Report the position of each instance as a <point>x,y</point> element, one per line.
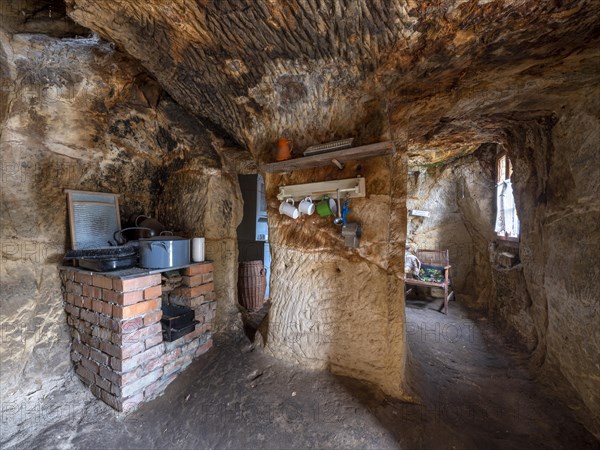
<point>446,300</point>
<point>452,296</point>
<point>444,307</point>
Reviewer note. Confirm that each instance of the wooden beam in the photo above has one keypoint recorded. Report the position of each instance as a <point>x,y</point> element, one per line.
<point>323,159</point>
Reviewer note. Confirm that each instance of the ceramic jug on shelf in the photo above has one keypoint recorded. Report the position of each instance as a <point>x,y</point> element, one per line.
<point>284,149</point>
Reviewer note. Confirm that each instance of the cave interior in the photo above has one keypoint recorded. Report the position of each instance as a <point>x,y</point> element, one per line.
<point>475,128</point>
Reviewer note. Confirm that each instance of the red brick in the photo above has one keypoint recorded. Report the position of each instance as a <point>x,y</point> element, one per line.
<point>86,302</point>
<point>78,301</point>
<point>97,305</point>
<point>130,377</point>
<point>82,349</point>
<point>200,268</point>
<point>194,334</point>
<point>82,277</point>
<point>102,282</point>
<point>204,308</point>
<point>130,284</point>
<point>73,310</point>
<point>152,318</point>
<point>90,340</point>
<point>207,277</point>
<point>137,336</point>
<point>130,298</point>
<point>194,291</point>
<point>109,374</point>
<point>73,288</point>
<point>109,323</point>
<point>108,295</point>
<point>125,365</point>
<point>112,401</point>
<point>120,326</point>
<point>183,301</point>
<point>111,349</point>
<point>102,333</point>
<point>153,292</point>
<point>130,325</point>
<point>98,356</point>
<point>158,386</point>
<point>89,316</point>
<point>102,383</point>
<point>180,364</point>
<point>129,350</point>
<point>90,365</point>
<point>96,391</point>
<point>192,281</point>
<point>162,360</point>
<point>204,348</point>
<point>202,289</point>
<point>125,312</point>
<point>85,375</point>
<point>75,357</point>
<point>122,351</point>
<point>154,340</point>
<point>139,384</point>
<point>210,297</point>
<point>133,402</point>
<point>67,274</point>
<point>107,309</point>
<point>92,291</point>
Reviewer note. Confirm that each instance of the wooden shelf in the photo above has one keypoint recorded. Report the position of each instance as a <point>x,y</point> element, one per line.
<point>323,159</point>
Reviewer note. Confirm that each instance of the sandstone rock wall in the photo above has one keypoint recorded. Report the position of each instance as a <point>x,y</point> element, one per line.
<point>77,114</point>
<point>340,308</point>
<point>557,168</point>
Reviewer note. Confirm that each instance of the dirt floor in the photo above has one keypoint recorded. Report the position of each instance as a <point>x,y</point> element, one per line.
<point>475,390</point>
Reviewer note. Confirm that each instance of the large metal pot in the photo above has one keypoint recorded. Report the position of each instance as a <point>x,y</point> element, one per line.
<point>163,252</point>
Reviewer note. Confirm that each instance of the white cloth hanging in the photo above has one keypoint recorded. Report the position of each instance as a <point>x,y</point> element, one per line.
<point>507,221</point>
<point>412,265</point>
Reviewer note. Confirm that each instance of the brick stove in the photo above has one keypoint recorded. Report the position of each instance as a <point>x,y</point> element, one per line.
<point>117,341</point>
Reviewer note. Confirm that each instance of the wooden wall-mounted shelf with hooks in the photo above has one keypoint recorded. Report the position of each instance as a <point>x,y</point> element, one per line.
<point>349,188</point>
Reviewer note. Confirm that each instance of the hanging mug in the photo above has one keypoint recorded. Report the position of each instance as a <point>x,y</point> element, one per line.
<point>306,206</point>
<point>327,207</point>
<point>287,207</point>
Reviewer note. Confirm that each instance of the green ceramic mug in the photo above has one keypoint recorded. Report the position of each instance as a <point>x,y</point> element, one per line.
<point>326,207</point>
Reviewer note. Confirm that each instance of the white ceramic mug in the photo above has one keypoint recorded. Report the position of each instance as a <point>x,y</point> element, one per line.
<point>198,249</point>
<point>287,207</point>
<point>306,206</point>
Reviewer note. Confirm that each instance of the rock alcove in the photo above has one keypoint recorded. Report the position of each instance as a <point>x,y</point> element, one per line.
<point>166,103</point>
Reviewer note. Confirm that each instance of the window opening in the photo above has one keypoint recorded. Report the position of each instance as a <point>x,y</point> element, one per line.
<point>507,222</point>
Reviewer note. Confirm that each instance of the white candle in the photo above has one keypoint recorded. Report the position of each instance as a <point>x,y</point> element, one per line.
<point>198,249</point>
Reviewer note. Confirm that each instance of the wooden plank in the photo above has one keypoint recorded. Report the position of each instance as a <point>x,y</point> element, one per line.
<point>351,187</point>
<point>323,159</point>
<point>416,282</point>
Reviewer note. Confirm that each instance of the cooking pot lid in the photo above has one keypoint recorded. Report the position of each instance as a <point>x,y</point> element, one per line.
<point>165,238</point>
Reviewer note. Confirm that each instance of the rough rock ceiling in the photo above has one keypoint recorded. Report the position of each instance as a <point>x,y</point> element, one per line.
<point>316,70</point>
